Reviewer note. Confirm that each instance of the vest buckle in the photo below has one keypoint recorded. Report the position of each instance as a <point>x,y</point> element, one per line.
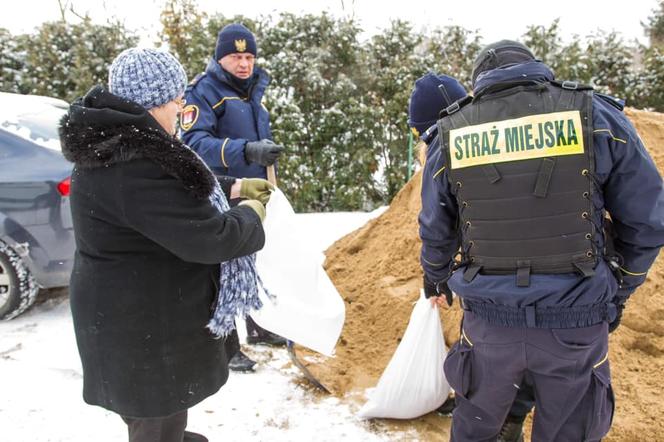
<point>570,85</point>
<point>452,108</point>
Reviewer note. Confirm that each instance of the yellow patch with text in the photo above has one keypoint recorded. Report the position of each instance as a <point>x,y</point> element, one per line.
<point>188,116</point>
<point>517,139</point>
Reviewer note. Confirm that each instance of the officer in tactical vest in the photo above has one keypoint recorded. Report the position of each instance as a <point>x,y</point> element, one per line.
<point>531,168</point>
<point>432,94</point>
<point>225,122</point>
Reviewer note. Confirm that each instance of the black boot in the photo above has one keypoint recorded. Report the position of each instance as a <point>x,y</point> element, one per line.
<point>512,431</point>
<point>241,362</point>
<point>448,407</point>
<point>266,338</point>
<point>194,437</point>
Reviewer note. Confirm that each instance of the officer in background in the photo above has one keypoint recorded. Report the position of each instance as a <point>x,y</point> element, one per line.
<point>431,94</point>
<point>531,168</point>
<point>225,122</point>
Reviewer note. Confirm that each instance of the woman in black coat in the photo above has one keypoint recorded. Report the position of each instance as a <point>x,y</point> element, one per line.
<point>149,247</point>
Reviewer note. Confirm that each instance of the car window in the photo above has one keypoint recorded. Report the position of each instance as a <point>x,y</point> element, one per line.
<point>33,118</point>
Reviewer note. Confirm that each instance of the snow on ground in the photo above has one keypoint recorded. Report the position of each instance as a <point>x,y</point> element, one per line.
<point>41,381</point>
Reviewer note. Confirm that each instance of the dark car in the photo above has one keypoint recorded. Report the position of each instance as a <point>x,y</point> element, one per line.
<point>36,236</point>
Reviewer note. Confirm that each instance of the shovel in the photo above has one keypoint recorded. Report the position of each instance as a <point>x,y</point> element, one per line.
<point>305,371</point>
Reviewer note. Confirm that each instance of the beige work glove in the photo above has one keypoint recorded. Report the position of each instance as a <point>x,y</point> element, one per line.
<point>256,189</point>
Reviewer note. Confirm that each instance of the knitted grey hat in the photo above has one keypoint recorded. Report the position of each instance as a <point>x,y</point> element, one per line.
<point>148,77</point>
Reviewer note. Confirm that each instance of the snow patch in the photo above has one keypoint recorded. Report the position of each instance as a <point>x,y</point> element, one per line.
<point>32,117</point>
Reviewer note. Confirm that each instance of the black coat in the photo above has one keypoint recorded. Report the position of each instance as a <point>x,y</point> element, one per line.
<point>148,248</point>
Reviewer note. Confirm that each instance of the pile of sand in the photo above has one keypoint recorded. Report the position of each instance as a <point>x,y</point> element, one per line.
<point>376,270</point>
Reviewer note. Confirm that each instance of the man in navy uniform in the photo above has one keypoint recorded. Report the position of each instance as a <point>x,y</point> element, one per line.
<point>433,93</point>
<point>225,122</point>
<point>531,167</point>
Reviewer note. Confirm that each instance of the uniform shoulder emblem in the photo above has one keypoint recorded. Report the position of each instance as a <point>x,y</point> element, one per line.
<point>188,116</point>
<point>430,134</point>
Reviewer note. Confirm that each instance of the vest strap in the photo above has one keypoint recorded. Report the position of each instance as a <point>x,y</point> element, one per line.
<point>586,268</point>
<point>544,177</point>
<point>452,108</point>
<point>491,173</point>
<point>572,85</point>
<point>523,273</point>
<point>471,272</point>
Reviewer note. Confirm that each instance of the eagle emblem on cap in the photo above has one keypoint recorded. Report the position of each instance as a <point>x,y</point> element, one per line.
<point>241,45</point>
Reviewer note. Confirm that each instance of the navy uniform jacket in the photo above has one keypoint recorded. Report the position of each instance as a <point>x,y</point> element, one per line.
<point>219,119</point>
<point>630,190</point>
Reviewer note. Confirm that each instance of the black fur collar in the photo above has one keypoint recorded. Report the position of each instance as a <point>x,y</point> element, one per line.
<point>102,129</point>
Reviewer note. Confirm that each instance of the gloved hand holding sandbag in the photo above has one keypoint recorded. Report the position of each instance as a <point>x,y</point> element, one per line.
<point>435,290</point>
<point>256,189</point>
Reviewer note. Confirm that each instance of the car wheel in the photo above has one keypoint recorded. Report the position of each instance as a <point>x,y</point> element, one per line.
<point>18,288</point>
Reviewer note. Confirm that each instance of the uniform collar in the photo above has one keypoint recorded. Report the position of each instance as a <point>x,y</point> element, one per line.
<point>259,79</point>
<point>532,70</point>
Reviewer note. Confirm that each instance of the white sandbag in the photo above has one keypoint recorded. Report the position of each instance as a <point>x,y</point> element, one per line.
<point>413,383</point>
<point>308,309</point>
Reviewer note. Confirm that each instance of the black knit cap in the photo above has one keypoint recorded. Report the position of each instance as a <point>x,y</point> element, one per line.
<point>499,54</point>
<point>235,38</point>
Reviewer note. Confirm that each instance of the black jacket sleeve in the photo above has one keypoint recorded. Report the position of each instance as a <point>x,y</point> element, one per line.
<point>226,182</point>
<point>158,206</point>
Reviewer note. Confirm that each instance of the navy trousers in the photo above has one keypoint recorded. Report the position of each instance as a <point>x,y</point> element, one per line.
<point>567,368</point>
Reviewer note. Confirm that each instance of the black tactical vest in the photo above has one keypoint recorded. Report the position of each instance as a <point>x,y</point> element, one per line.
<point>520,161</point>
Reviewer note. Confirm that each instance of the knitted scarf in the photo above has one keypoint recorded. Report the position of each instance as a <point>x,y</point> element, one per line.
<point>239,283</point>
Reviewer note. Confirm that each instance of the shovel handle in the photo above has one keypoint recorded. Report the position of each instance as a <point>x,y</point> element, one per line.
<point>271,175</point>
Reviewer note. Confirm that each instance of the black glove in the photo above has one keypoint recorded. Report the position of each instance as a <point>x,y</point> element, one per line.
<point>264,152</point>
<point>437,289</point>
<point>613,325</point>
<point>619,301</point>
